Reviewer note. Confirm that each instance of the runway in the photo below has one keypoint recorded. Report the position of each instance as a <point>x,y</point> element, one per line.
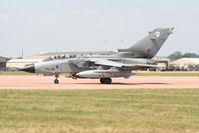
<point>136,82</point>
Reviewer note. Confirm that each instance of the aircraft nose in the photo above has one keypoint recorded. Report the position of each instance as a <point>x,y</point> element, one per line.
<point>30,69</point>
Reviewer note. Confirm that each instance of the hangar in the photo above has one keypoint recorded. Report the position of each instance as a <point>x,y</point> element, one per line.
<point>189,64</point>
<point>17,63</point>
<point>44,55</point>
<point>162,62</point>
<point>2,63</point>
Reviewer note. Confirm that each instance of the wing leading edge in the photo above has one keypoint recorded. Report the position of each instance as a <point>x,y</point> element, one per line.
<point>106,62</point>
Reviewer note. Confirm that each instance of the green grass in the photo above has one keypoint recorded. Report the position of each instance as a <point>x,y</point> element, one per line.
<point>99,111</point>
<point>15,73</point>
<point>168,74</point>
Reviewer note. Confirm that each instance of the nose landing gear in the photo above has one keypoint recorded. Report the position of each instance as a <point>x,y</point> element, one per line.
<point>56,81</point>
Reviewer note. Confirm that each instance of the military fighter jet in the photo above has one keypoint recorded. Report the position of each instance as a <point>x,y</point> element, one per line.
<point>104,67</point>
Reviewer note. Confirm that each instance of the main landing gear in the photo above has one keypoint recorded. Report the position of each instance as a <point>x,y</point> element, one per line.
<point>56,81</point>
<point>106,80</point>
<point>102,80</point>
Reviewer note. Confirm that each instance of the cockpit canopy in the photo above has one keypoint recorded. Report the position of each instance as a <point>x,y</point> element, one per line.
<point>59,57</point>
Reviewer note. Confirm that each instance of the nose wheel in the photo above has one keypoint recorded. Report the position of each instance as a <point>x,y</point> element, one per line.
<point>105,80</point>
<point>56,81</point>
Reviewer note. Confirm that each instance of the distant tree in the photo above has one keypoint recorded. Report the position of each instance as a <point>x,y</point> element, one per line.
<point>190,55</point>
<point>7,59</point>
<point>177,55</point>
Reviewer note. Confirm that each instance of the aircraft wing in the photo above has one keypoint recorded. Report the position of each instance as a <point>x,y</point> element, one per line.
<point>110,63</point>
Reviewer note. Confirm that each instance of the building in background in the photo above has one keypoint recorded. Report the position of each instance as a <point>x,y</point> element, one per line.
<point>18,63</point>
<point>189,64</point>
<point>2,63</point>
<point>45,55</point>
<point>162,62</point>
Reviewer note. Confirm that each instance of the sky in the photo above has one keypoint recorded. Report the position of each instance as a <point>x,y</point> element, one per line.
<point>92,25</point>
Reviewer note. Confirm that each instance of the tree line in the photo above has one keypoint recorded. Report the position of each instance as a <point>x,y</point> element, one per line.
<point>177,55</point>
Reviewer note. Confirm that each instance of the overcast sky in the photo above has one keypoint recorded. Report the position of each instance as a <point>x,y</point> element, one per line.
<point>82,25</point>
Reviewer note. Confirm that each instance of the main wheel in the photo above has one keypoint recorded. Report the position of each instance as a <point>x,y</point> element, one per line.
<point>102,80</point>
<point>106,80</point>
<point>56,81</point>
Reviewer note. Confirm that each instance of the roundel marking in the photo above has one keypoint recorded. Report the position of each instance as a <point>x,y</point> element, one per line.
<point>157,34</point>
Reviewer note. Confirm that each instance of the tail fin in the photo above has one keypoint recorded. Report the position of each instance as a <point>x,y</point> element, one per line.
<point>150,45</point>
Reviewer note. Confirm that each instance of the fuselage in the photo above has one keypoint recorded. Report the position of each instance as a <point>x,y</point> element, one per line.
<point>76,65</point>
<point>104,67</point>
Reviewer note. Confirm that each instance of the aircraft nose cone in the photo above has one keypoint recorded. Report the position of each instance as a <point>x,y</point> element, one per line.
<point>30,69</point>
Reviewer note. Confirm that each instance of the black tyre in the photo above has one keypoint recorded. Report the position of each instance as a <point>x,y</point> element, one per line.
<point>56,81</point>
<point>108,80</point>
<point>102,80</point>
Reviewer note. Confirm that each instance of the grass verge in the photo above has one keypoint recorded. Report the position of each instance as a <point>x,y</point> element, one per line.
<point>15,73</point>
<point>168,74</point>
<point>99,111</point>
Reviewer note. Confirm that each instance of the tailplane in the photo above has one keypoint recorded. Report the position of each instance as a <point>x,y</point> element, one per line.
<point>150,45</point>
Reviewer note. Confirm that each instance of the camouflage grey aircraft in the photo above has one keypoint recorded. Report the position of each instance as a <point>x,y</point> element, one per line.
<point>104,67</point>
